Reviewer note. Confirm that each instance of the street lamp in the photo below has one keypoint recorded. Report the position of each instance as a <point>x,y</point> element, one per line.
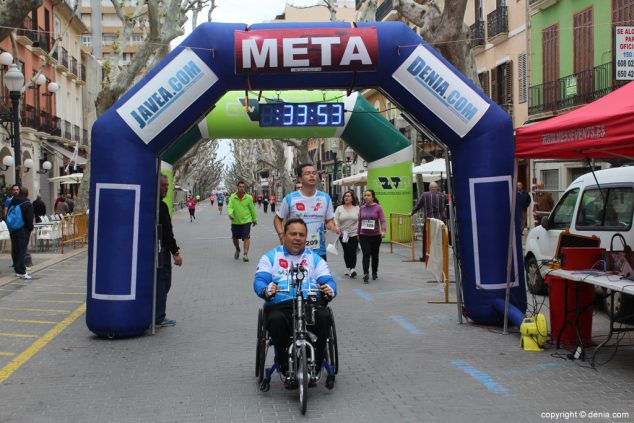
<point>46,166</point>
<point>334,148</point>
<point>13,80</point>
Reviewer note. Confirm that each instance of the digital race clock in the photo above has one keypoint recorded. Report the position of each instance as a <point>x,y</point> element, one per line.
<point>302,114</point>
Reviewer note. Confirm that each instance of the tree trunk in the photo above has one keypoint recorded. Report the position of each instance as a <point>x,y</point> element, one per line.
<point>13,12</point>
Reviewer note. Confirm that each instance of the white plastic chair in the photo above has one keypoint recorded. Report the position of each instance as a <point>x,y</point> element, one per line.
<point>4,234</point>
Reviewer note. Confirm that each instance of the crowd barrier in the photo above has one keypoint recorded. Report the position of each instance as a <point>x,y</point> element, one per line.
<point>74,230</point>
<point>402,231</point>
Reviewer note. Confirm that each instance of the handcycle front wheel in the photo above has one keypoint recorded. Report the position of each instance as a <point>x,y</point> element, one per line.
<point>302,378</point>
<point>333,349</point>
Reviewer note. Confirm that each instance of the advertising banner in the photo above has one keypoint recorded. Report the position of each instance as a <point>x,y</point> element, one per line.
<point>306,50</point>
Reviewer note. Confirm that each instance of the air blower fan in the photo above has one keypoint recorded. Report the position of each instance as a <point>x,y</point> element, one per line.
<point>534,333</point>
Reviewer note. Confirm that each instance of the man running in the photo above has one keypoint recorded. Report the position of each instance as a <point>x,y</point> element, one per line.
<point>241,212</point>
<point>311,205</point>
<point>221,202</point>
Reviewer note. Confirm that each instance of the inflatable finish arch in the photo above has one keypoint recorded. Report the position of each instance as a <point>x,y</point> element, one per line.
<point>130,137</point>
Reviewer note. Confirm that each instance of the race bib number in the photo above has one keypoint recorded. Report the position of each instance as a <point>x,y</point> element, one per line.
<point>312,240</point>
<point>368,224</point>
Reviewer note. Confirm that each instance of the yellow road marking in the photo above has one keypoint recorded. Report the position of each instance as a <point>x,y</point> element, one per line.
<point>48,292</point>
<point>6,354</point>
<point>46,301</point>
<point>27,354</point>
<point>18,335</point>
<point>41,322</point>
<point>35,309</point>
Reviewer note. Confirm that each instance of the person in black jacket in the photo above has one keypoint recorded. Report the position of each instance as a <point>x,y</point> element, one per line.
<point>20,237</point>
<point>39,209</point>
<point>169,249</point>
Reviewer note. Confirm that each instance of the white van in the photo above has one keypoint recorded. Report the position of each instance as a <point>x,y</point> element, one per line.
<point>600,204</point>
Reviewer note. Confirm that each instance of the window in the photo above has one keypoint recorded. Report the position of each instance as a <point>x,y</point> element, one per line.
<point>483,77</point>
<point>561,217</point>
<point>521,78</point>
<point>86,40</point>
<point>110,19</point>
<point>502,86</point>
<point>109,39</point>
<point>550,178</point>
<point>583,46</point>
<point>575,172</point>
<point>479,15</point>
<point>609,208</point>
<point>136,39</point>
<point>622,12</point>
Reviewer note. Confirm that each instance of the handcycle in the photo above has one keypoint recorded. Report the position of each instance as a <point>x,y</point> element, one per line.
<point>302,369</point>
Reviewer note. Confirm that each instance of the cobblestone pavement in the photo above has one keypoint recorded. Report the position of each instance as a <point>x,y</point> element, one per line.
<point>402,359</point>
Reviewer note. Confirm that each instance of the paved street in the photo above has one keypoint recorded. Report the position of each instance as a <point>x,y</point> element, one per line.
<point>402,359</point>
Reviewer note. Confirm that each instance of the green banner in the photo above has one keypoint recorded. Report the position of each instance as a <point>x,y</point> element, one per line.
<point>393,187</point>
<point>166,169</point>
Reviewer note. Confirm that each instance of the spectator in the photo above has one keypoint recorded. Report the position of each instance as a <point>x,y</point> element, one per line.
<point>61,207</point>
<point>434,205</point>
<point>169,249</point>
<point>272,199</point>
<point>543,203</point>
<point>20,236</point>
<point>523,201</point>
<point>39,209</point>
<point>70,202</point>
<point>15,191</point>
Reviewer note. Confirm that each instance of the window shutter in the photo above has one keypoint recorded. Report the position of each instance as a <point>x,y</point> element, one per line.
<point>522,85</point>
<point>508,83</point>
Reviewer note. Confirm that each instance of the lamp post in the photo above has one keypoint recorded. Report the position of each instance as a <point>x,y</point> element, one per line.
<point>13,80</point>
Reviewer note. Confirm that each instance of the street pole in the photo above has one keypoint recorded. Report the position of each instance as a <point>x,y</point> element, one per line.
<point>15,104</point>
<point>334,188</point>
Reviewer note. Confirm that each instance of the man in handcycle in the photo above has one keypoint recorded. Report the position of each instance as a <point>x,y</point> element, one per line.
<point>272,284</point>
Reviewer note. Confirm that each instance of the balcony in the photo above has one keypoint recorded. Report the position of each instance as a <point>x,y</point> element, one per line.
<point>498,25</point>
<point>25,34</point>
<point>56,126</point>
<point>477,35</point>
<point>76,133</point>
<point>42,43</point>
<point>72,70</point>
<point>386,11</point>
<point>68,130</point>
<point>572,90</point>
<point>29,117</point>
<point>62,60</point>
<point>81,76</point>
<point>542,4</point>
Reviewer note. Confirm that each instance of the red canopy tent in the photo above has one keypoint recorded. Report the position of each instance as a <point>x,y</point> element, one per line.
<point>603,128</point>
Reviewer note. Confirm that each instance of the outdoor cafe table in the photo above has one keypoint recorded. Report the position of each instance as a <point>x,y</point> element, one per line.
<point>613,282</point>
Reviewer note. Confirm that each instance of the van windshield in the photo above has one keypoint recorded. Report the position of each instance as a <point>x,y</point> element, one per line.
<point>615,212</point>
<point>561,217</point>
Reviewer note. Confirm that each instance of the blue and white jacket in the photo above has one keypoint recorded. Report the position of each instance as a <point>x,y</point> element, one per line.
<point>274,267</point>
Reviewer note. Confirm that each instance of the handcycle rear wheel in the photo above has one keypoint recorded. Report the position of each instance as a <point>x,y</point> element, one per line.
<point>302,378</point>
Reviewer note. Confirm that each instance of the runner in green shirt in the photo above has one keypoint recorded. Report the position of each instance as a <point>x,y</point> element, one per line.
<point>241,212</point>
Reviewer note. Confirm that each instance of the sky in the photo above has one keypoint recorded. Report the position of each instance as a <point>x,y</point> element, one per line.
<point>243,11</point>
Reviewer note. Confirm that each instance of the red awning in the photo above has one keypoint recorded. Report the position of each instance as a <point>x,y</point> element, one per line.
<point>603,128</point>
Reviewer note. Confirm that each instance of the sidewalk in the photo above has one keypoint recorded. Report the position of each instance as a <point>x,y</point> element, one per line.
<point>41,260</point>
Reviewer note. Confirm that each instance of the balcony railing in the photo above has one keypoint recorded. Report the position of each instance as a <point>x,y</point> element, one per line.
<point>45,121</point>
<point>42,40</point>
<point>76,133</point>
<point>29,117</point>
<point>68,133</point>
<point>73,66</point>
<point>26,30</point>
<point>64,57</point>
<point>572,90</point>
<point>383,10</point>
<point>498,22</point>
<point>56,126</point>
<point>477,34</point>
<point>55,54</point>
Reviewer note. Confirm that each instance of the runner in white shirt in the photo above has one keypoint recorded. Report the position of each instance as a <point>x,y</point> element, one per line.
<point>314,207</point>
